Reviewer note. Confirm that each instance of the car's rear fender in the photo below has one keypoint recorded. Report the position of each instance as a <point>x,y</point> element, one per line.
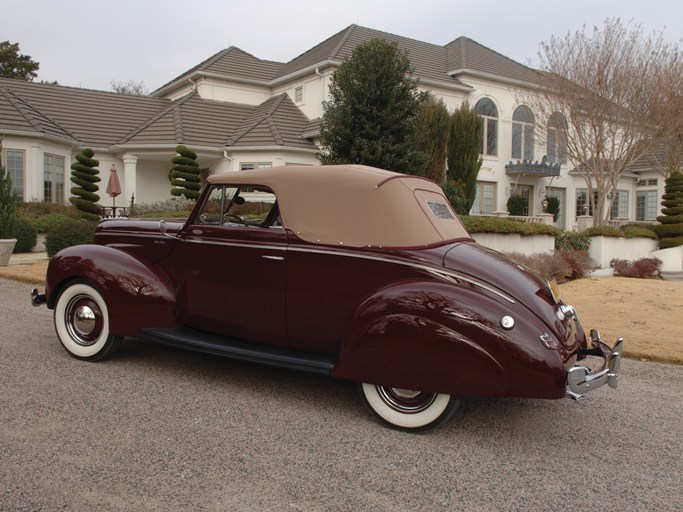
<point>138,294</point>
<point>439,337</point>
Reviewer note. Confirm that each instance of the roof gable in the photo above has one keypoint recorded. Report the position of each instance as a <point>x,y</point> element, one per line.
<point>466,54</point>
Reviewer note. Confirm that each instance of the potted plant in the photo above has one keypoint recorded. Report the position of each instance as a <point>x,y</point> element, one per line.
<point>8,217</point>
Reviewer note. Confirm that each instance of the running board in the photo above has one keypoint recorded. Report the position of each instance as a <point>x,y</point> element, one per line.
<point>213,344</point>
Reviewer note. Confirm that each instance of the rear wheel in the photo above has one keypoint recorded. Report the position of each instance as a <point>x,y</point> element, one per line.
<point>407,409</point>
<point>82,323</point>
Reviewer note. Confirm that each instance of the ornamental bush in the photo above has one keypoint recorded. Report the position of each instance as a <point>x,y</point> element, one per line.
<point>84,174</point>
<point>26,235</point>
<point>8,200</point>
<point>45,223</point>
<point>670,231</point>
<point>75,232</point>
<point>516,205</point>
<point>185,175</point>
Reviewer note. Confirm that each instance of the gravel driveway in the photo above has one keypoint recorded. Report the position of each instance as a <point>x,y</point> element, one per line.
<point>160,429</point>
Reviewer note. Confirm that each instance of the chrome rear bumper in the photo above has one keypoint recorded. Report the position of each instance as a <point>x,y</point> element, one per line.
<point>580,379</point>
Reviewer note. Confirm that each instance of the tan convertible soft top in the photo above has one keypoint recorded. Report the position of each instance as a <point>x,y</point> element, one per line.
<point>355,205</point>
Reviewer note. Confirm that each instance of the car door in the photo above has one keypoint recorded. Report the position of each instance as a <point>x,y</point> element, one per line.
<point>231,261</point>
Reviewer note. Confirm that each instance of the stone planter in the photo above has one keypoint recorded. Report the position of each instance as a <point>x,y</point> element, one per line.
<point>6,248</point>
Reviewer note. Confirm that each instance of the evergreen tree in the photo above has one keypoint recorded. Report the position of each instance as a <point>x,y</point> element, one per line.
<point>372,116</point>
<point>670,231</point>
<point>185,175</point>
<point>433,136</point>
<point>15,65</point>
<point>84,174</point>
<point>8,202</point>
<point>464,157</point>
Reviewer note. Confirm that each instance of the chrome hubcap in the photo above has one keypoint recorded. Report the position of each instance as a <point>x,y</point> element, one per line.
<point>406,401</point>
<point>83,320</point>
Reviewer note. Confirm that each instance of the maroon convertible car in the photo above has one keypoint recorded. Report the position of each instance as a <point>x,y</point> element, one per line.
<point>348,271</point>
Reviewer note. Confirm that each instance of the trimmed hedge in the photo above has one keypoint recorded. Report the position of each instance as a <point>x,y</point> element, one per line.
<point>26,235</point>
<point>76,232</point>
<point>480,224</point>
<point>45,223</point>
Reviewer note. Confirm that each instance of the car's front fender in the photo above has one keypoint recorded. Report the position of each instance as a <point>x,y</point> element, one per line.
<point>441,337</point>
<point>138,294</point>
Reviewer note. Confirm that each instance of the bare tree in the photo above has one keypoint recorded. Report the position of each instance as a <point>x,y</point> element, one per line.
<point>130,87</point>
<point>607,85</point>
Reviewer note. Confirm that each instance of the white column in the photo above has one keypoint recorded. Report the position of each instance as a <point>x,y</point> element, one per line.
<point>130,163</point>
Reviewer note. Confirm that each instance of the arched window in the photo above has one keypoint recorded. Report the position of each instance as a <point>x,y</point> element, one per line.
<point>523,133</point>
<point>557,139</point>
<point>489,113</point>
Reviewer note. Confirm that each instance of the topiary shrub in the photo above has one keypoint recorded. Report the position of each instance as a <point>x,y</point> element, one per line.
<point>185,175</point>
<point>26,235</point>
<point>668,243</point>
<point>671,228</point>
<point>516,205</point>
<point>84,175</point>
<point>66,235</point>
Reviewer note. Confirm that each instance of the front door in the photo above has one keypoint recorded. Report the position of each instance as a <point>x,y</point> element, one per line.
<point>232,267</point>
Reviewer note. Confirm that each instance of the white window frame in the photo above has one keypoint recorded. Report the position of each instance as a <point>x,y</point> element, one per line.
<point>54,194</point>
<point>8,157</point>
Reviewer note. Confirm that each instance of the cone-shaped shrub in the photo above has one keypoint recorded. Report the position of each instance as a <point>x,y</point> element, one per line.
<point>84,174</point>
<point>8,202</point>
<point>670,231</point>
<point>185,175</point>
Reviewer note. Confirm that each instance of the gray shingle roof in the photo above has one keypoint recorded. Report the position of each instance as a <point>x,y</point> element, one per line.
<point>236,63</point>
<point>464,53</point>
<point>103,119</point>
<point>95,118</point>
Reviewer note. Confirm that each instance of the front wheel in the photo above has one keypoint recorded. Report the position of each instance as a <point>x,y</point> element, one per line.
<point>82,323</point>
<point>406,409</point>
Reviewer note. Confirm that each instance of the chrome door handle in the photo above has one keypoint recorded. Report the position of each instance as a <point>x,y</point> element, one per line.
<point>273,258</point>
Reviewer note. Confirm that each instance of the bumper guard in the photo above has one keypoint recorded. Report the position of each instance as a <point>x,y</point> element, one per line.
<point>580,379</point>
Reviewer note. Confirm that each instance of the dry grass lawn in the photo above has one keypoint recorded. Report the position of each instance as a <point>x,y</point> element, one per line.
<point>647,313</point>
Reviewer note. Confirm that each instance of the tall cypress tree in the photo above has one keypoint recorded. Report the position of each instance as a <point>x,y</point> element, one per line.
<point>185,175</point>
<point>670,231</point>
<point>433,136</point>
<point>464,157</point>
<point>84,174</point>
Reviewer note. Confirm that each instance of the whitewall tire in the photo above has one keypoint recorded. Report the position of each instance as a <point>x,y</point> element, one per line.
<point>82,323</point>
<point>406,409</point>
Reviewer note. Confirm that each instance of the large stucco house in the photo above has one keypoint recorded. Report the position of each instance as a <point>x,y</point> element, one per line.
<point>239,112</point>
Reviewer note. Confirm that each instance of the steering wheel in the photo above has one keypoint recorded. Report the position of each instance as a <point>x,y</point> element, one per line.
<point>235,218</point>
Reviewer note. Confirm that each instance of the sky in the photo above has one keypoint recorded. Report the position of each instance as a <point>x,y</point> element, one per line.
<point>90,43</point>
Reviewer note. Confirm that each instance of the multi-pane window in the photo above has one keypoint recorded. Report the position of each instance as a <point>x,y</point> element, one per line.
<point>299,94</point>
<point>583,205</point>
<point>14,164</point>
<point>53,178</point>
<point>646,205</point>
<point>489,115</point>
<point>248,166</point>
<point>620,205</point>
<point>485,198</point>
<point>523,133</point>
<point>557,139</point>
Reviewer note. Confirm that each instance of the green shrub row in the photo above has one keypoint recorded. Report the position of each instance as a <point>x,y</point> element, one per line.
<point>74,232</point>
<point>479,224</point>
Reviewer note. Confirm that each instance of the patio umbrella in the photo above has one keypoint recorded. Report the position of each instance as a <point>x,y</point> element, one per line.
<point>113,186</point>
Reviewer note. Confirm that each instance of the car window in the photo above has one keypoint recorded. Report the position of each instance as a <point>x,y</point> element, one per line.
<point>251,206</point>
